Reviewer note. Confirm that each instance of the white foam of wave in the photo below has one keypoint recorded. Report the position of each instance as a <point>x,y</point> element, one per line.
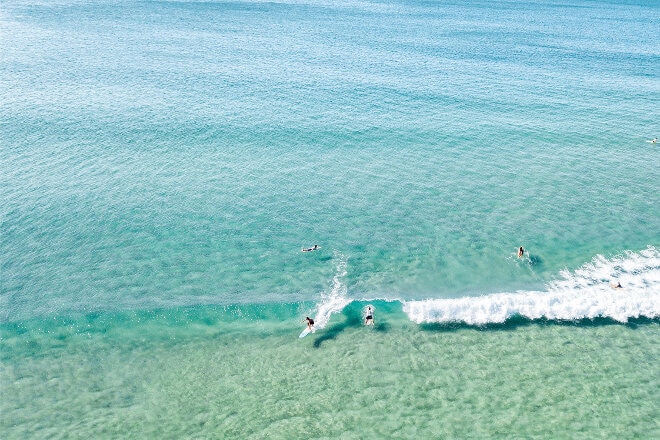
<point>584,293</point>
<point>336,298</point>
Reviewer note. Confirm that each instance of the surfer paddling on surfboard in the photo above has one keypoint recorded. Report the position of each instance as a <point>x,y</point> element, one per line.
<point>316,246</point>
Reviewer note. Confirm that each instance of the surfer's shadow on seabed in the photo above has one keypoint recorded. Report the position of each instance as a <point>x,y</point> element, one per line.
<point>354,319</point>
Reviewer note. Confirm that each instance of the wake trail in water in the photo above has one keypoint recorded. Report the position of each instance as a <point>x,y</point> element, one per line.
<point>585,293</point>
<point>336,298</point>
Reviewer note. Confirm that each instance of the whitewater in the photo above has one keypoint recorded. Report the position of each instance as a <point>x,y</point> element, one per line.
<point>588,292</point>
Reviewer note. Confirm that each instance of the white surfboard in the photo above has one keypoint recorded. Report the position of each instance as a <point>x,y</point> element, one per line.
<point>306,332</point>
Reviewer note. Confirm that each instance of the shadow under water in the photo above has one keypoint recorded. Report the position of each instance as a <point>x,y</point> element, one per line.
<point>520,321</point>
<point>353,319</point>
<point>382,327</point>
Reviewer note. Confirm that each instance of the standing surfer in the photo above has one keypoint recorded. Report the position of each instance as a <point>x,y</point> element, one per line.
<point>369,319</point>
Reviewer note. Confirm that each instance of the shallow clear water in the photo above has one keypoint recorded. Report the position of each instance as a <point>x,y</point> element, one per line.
<point>163,164</point>
<point>198,373</point>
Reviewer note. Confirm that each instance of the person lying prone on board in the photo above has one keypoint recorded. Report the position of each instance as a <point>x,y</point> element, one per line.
<point>316,246</point>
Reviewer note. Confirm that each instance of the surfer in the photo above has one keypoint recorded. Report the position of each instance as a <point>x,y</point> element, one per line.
<point>521,251</point>
<point>316,246</point>
<point>310,323</point>
<point>617,285</point>
<point>369,319</point>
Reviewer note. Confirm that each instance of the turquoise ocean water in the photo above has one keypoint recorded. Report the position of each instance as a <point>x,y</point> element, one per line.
<point>163,163</point>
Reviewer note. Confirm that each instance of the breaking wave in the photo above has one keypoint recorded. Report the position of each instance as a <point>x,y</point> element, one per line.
<point>585,293</point>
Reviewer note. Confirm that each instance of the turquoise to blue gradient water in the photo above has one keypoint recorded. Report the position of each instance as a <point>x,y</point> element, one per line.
<point>163,163</point>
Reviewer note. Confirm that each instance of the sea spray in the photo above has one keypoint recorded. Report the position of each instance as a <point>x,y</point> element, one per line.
<point>635,271</point>
<point>336,298</point>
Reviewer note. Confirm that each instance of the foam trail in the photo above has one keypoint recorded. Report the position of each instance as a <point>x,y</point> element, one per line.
<point>584,293</point>
<point>337,298</point>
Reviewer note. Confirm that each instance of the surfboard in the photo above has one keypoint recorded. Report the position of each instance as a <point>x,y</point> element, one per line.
<point>306,332</point>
